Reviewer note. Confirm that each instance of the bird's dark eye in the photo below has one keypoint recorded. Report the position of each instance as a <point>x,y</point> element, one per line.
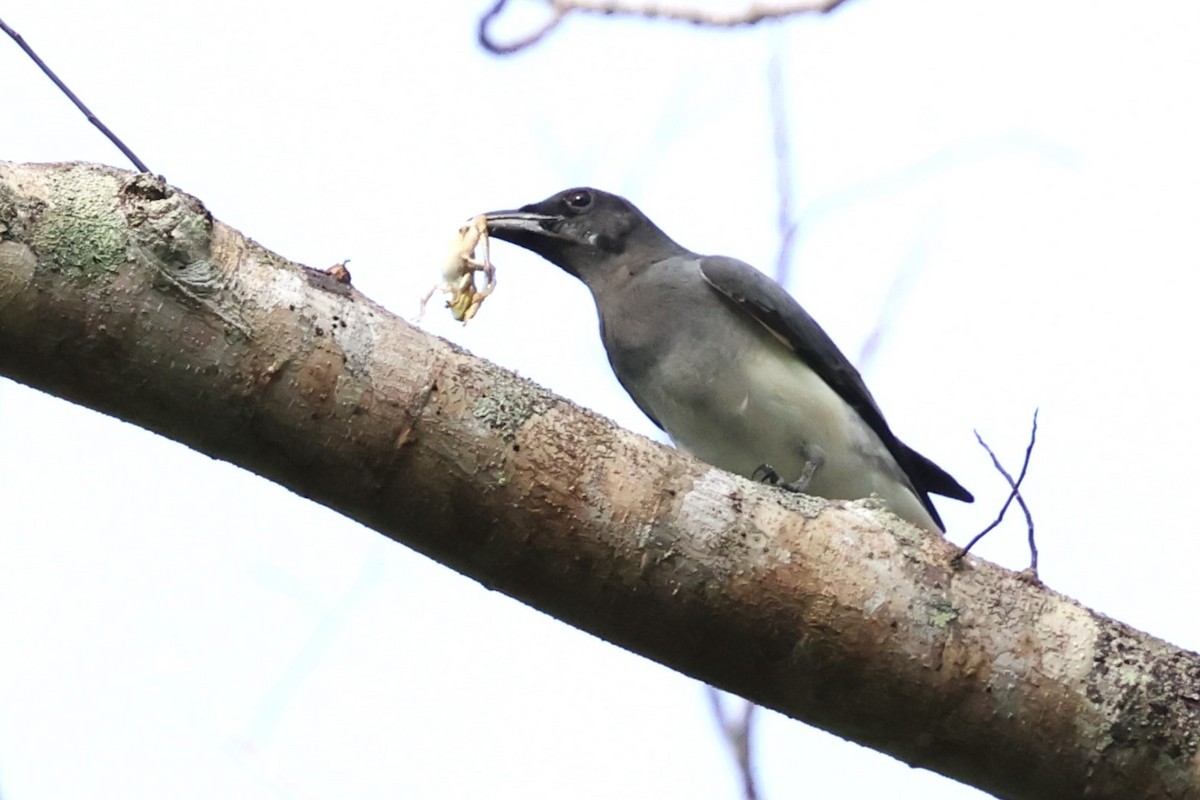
<point>578,200</point>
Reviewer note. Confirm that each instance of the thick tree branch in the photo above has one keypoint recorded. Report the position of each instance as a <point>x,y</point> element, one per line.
<point>118,292</point>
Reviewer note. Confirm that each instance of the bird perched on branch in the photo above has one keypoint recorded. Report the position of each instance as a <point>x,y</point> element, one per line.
<point>725,361</point>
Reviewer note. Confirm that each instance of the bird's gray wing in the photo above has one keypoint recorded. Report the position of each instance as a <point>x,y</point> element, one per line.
<point>766,301</point>
<point>769,304</point>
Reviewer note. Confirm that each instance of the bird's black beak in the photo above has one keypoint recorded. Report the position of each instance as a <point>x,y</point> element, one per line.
<point>520,226</point>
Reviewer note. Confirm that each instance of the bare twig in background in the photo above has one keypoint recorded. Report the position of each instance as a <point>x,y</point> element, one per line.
<point>737,735</point>
<point>905,277</point>
<point>783,167</point>
<point>752,14</point>
<point>883,320</point>
<point>112,137</point>
<point>737,731</point>
<point>1015,494</point>
<point>492,46</point>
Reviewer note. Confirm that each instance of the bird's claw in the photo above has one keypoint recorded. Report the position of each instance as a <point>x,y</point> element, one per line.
<point>765,473</point>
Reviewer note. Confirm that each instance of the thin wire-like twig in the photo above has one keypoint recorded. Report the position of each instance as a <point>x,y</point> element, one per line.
<point>1014,494</point>
<point>750,15</point>
<point>737,736</point>
<point>92,118</point>
<point>785,218</point>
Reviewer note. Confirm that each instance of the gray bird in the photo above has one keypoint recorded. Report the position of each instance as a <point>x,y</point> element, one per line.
<point>725,361</point>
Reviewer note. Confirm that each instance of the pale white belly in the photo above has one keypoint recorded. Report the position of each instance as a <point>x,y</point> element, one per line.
<point>767,409</point>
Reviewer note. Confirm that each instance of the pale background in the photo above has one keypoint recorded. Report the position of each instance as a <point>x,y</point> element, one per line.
<point>173,627</point>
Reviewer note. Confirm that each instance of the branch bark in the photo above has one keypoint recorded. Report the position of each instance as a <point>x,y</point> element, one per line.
<point>123,294</point>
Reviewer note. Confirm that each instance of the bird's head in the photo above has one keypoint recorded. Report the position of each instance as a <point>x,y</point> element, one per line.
<point>582,230</point>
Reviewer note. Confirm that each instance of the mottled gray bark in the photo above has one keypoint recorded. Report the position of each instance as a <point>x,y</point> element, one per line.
<point>120,293</point>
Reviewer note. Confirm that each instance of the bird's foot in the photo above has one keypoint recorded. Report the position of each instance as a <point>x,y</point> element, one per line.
<point>765,473</point>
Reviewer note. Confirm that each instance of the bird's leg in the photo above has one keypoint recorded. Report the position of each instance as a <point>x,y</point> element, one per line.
<point>806,475</point>
<point>765,473</point>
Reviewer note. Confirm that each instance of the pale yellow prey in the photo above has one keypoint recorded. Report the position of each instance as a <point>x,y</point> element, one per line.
<point>460,268</point>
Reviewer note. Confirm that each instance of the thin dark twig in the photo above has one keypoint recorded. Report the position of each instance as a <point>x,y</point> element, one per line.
<point>483,33</point>
<point>737,732</point>
<point>112,137</point>
<point>1014,494</point>
<point>783,168</point>
<point>737,736</point>
<point>883,320</point>
<point>753,14</point>
<point>908,273</point>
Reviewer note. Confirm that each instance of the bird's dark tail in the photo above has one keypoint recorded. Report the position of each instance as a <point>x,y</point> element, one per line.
<point>929,477</point>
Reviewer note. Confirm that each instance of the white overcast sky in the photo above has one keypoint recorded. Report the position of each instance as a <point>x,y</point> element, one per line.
<point>174,627</point>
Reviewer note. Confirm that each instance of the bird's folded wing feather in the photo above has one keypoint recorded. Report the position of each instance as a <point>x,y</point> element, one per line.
<point>769,304</point>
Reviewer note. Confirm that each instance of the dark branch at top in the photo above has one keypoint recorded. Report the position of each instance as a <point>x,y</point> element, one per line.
<point>752,14</point>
